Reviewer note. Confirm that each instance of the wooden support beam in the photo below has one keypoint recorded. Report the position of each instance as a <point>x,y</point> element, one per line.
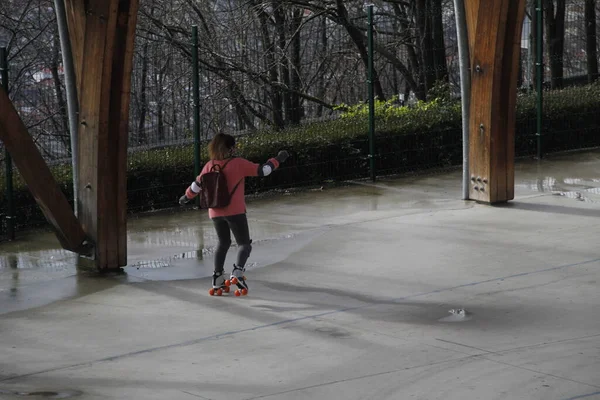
<point>494,39</point>
<point>122,68</point>
<point>471,9</point>
<point>103,33</point>
<point>38,177</point>
<point>76,24</point>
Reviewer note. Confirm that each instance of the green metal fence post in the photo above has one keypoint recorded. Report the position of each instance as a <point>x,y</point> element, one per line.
<point>196,99</point>
<point>10,217</point>
<point>539,63</point>
<point>371,97</point>
<point>196,103</point>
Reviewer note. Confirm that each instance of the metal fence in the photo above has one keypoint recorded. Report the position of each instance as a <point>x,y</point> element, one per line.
<point>273,76</point>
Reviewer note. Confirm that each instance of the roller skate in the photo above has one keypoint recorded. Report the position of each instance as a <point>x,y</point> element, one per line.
<point>219,284</point>
<point>238,278</point>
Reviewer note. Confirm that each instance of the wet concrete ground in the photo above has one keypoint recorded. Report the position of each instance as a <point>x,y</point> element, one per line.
<point>351,290</point>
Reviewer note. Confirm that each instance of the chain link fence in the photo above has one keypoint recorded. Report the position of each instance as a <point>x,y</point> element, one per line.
<point>295,77</point>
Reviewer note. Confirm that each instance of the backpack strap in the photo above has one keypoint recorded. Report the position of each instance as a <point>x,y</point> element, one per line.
<point>235,187</point>
<point>237,184</point>
<point>228,161</point>
<point>217,167</point>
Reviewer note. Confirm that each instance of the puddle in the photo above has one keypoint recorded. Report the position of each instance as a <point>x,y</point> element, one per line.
<point>165,262</point>
<point>589,195</point>
<point>457,315</point>
<point>574,176</point>
<point>580,189</point>
<point>157,242</point>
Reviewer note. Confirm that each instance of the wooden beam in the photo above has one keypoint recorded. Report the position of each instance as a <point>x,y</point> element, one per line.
<point>38,177</point>
<point>511,60</point>
<point>105,62</point>
<point>494,33</point>
<point>471,9</point>
<point>122,68</point>
<point>75,10</point>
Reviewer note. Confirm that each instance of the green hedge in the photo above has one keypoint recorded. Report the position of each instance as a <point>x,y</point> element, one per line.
<point>424,136</point>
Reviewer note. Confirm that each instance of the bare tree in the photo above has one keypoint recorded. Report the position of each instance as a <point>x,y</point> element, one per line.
<point>554,18</point>
<point>28,30</point>
<point>591,40</point>
<point>269,63</point>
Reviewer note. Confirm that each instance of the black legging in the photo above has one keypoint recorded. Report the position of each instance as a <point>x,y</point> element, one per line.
<point>238,224</point>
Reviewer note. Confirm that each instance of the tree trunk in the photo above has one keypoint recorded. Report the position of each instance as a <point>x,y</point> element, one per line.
<point>174,118</point>
<point>555,39</point>
<point>359,41</point>
<point>241,116</point>
<point>272,66</point>
<point>62,104</point>
<point>413,58</point>
<point>296,113</point>
<point>159,77</point>
<point>441,66</point>
<point>591,40</point>
<point>280,18</point>
<point>533,46</point>
<point>141,128</point>
<point>321,84</point>
<point>234,90</point>
<point>160,122</point>
<point>425,32</point>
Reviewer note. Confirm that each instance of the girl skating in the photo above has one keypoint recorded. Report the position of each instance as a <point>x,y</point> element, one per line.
<point>221,189</point>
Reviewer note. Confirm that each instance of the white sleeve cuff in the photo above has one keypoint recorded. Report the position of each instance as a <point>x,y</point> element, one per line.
<point>266,169</point>
<point>195,188</point>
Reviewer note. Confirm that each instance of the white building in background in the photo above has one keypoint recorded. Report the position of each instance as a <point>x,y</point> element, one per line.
<point>45,74</point>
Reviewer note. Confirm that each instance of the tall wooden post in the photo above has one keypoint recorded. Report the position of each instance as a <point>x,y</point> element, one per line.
<point>38,176</point>
<point>494,28</point>
<point>102,34</point>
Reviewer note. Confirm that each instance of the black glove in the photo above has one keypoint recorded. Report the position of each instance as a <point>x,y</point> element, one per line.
<point>183,200</point>
<point>282,156</point>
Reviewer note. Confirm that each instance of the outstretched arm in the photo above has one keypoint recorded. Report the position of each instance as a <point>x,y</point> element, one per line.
<point>253,169</point>
<point>194,189</point>
<point>190,193</point>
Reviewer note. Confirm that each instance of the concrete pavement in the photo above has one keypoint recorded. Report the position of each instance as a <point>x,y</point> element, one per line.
<point>351,290</point>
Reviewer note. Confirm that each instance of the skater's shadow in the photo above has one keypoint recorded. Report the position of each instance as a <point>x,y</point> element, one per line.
<point>289,288</point>
<point>396,311</point>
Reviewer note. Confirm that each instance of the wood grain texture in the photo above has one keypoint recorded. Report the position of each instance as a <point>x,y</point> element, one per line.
<point>494,61</point>
<point>104,92</point>
<point>93,118</point>
<point>126,26</point>
<point>75,10</point>
<point>38,177</point>
<point>471,10</point>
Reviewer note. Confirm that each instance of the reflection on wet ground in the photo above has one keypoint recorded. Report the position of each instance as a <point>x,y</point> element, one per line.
<point>575,176</point>
<point>186,238</point>
<point>573,188</point>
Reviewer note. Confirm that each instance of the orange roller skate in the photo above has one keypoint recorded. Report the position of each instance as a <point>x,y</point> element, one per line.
<point>237,278</point>
<point>219,284</point>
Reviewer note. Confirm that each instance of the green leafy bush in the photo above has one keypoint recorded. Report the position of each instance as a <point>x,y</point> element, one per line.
<point>425,135</point>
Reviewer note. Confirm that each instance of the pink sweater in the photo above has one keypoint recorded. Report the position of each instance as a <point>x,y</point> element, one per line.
<point>236,171</point>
